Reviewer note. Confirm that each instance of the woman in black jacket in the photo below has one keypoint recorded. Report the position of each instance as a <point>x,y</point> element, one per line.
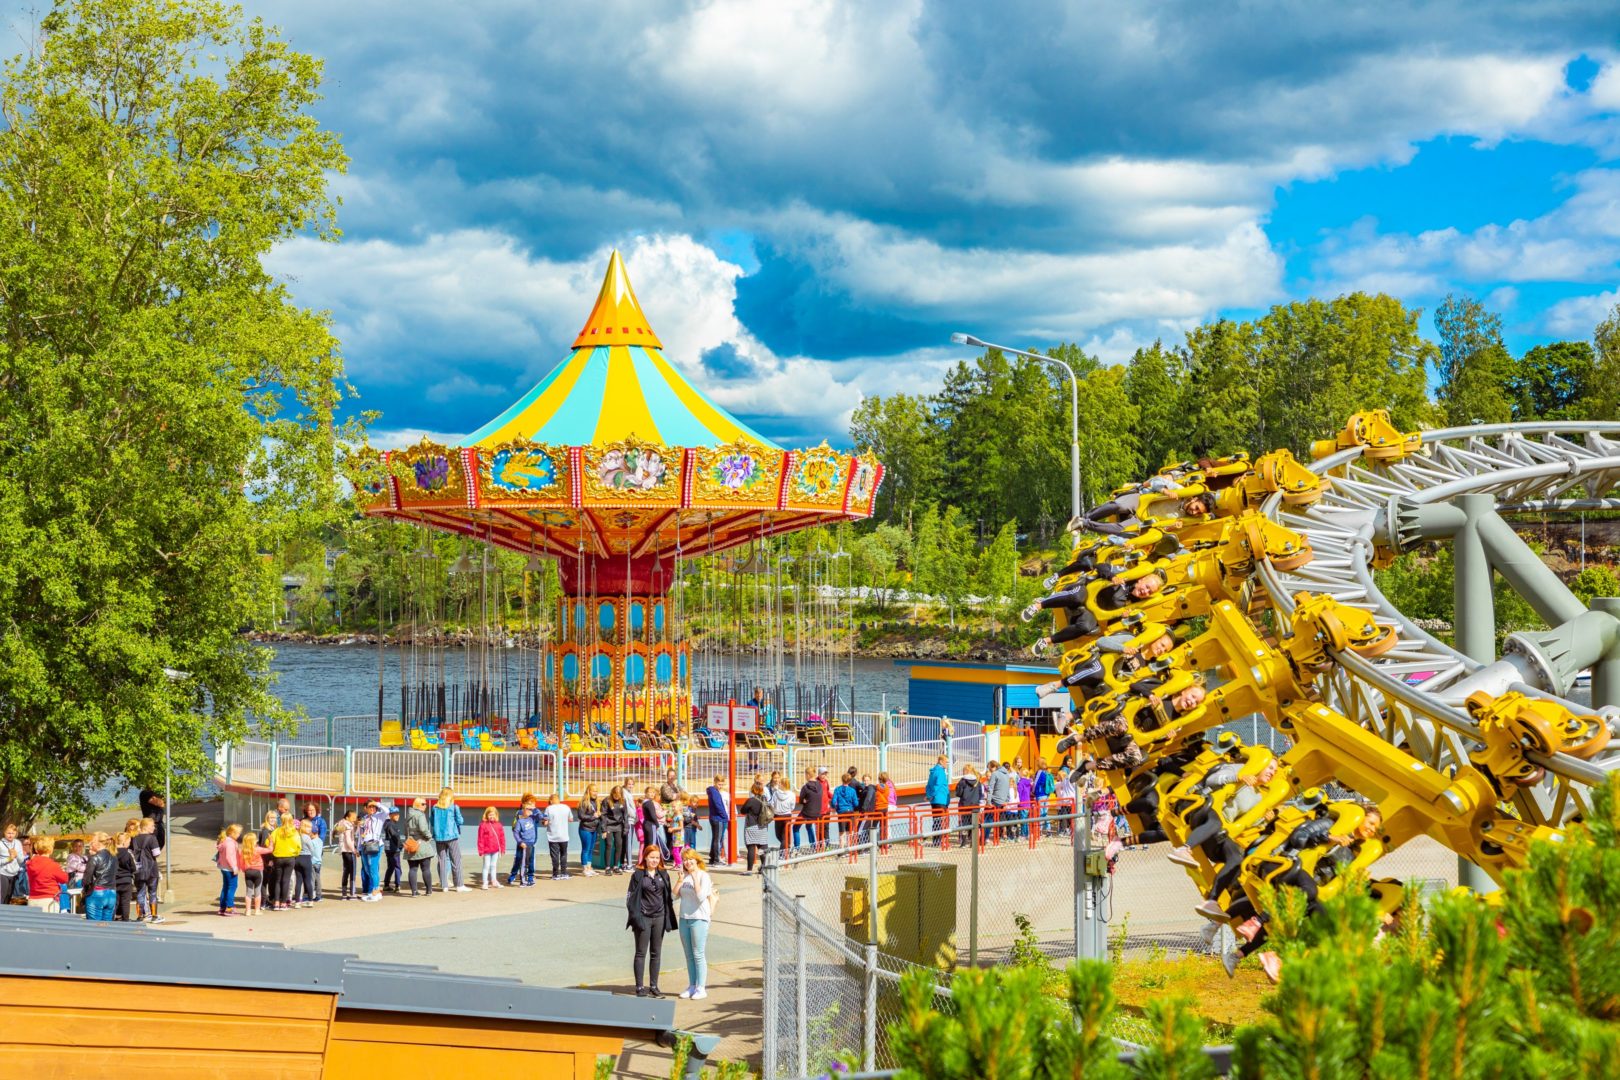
<point>615,816</point>
<point>969,797</point>
<point>756,825</point>
<point>651,904</point>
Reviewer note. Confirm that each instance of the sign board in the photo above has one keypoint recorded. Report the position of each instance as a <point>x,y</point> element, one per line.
<point>719,717</point>
<point>744,718</point>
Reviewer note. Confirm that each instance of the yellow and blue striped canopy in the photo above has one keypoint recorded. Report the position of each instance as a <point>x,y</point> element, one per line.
<point>616,385</point>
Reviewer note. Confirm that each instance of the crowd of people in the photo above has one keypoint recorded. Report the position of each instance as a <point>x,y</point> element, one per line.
<point>105,877</point>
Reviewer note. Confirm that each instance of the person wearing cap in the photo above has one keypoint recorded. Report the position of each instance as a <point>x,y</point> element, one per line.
<point>370,840</point>
<point>393,847</point>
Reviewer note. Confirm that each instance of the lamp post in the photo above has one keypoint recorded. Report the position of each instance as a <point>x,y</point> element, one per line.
<point>1076,503</point>
<point>168,797</point>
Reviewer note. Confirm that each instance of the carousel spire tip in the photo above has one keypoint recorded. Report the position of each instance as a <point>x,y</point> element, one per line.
<point>617,318</point>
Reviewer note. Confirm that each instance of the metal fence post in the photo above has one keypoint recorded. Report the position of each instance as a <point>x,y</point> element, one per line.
<point>275,762</point>
<point>869,1011</point>
<point>871,890</point>
<point>801,990</point>
<point>348,770</point>
<point>1091,945</point>
<point>769,973</point>
<point>1081,843</point>
<point>973,888</point>
<point>230,761</point>
<point>444,766</point>
<point>331,725</point>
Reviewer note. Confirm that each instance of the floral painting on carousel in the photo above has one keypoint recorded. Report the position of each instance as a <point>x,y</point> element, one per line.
<point>428,473</point>
<point>740,473</point>
<point>818,476</point>
<point>633,470</point>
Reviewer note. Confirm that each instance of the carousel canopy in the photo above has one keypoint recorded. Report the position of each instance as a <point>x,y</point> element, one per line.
<point>616,385</point>
<point>614,455</point>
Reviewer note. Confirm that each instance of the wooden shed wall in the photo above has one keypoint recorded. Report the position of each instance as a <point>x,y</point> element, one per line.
<point>67,1027</point>
<point>366,1044</point>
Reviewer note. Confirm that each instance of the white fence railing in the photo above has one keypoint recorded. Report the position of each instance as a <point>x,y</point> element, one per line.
<point>312,770</point>
<point>604,768</point>
<point>837,757</point>
<point>250,763</point>
<point>908,763</point>
<point>702,766</point>
<point>397,772</point>
<point>361,771</point>
<point>967,748</point>
<point>503,776</point>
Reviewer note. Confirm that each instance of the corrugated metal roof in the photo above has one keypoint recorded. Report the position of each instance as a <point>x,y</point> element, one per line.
<point>35,943</point>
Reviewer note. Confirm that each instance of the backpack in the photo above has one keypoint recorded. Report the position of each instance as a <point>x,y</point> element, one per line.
<point>766,814</point>
<point>882,797</point>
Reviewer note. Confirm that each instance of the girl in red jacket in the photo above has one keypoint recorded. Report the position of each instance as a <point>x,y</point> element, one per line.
<point>491,845</point>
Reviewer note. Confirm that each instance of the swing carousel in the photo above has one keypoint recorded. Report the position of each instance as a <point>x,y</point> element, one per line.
<point>619,470</point>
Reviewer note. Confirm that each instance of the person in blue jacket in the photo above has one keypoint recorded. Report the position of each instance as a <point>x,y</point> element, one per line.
<point>447,825</point>
<point>937,790</point>
<point>1040,790</point>
<point>526,834</point>
<point>846,802</point>
<point>721,814</point>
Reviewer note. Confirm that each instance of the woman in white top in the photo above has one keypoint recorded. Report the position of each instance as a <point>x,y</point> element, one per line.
<point>783,803</point>
<point>697,899</point>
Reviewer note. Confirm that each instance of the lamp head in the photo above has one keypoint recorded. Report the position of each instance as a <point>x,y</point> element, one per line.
<point>960,339</point>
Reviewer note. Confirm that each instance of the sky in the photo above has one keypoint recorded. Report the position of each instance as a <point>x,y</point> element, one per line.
<point>812,195</point>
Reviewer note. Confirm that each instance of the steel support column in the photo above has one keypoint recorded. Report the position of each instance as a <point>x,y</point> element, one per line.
<point>1606,671</point>
<point>1474,609</point>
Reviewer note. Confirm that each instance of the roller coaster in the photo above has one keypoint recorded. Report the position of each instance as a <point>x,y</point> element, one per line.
<point>1226,588</point>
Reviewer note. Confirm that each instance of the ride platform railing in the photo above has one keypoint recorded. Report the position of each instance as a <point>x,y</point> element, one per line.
<point>363,771</point>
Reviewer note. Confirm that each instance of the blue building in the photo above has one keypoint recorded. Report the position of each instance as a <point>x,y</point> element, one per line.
<point>988,694</point>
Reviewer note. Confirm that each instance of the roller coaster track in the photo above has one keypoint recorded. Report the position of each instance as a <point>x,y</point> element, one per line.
<point>1411,697</point>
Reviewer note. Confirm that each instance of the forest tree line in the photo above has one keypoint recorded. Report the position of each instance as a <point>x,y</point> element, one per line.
<point>994,441</point>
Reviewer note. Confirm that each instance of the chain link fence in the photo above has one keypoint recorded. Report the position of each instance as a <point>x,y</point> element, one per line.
<point>842,926</point>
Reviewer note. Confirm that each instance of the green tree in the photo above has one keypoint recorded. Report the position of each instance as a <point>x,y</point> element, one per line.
<point>1221,405</point>
<point>1595,581</point>
<point>877,556</point>
<point>898,430</point>
<point>166,411</point>
<point>1554,382</point>
<point>1604,403</point>
<point>1110,452</point>
<point>1154,385</point>
<point>1324,360</point>
<point>995,570</point>
<point>1476,370</point>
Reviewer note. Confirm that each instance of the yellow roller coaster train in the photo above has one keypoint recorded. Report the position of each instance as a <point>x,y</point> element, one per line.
<point>1182,551</point>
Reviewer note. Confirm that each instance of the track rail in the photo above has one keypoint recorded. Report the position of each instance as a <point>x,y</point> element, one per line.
<point>1402,696</point>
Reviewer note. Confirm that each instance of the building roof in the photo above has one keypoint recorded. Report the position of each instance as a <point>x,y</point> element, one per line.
<point>616,385</point>
<point>35,943</point>
<point>969,665</point>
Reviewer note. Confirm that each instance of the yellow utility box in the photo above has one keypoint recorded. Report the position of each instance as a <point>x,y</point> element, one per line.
<point>912,916</point>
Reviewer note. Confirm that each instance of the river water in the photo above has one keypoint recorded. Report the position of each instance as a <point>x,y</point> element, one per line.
<point>341,680</point>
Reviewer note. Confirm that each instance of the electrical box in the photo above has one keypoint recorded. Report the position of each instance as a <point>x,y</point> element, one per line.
<point>912,916</point>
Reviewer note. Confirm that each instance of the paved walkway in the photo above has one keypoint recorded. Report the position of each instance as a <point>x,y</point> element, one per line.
<point>572,933</point>
<point>558,933</point>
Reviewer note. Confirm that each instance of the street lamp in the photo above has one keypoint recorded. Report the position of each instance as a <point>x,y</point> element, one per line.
<point>1076,503</point>
<point>173,675</point>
